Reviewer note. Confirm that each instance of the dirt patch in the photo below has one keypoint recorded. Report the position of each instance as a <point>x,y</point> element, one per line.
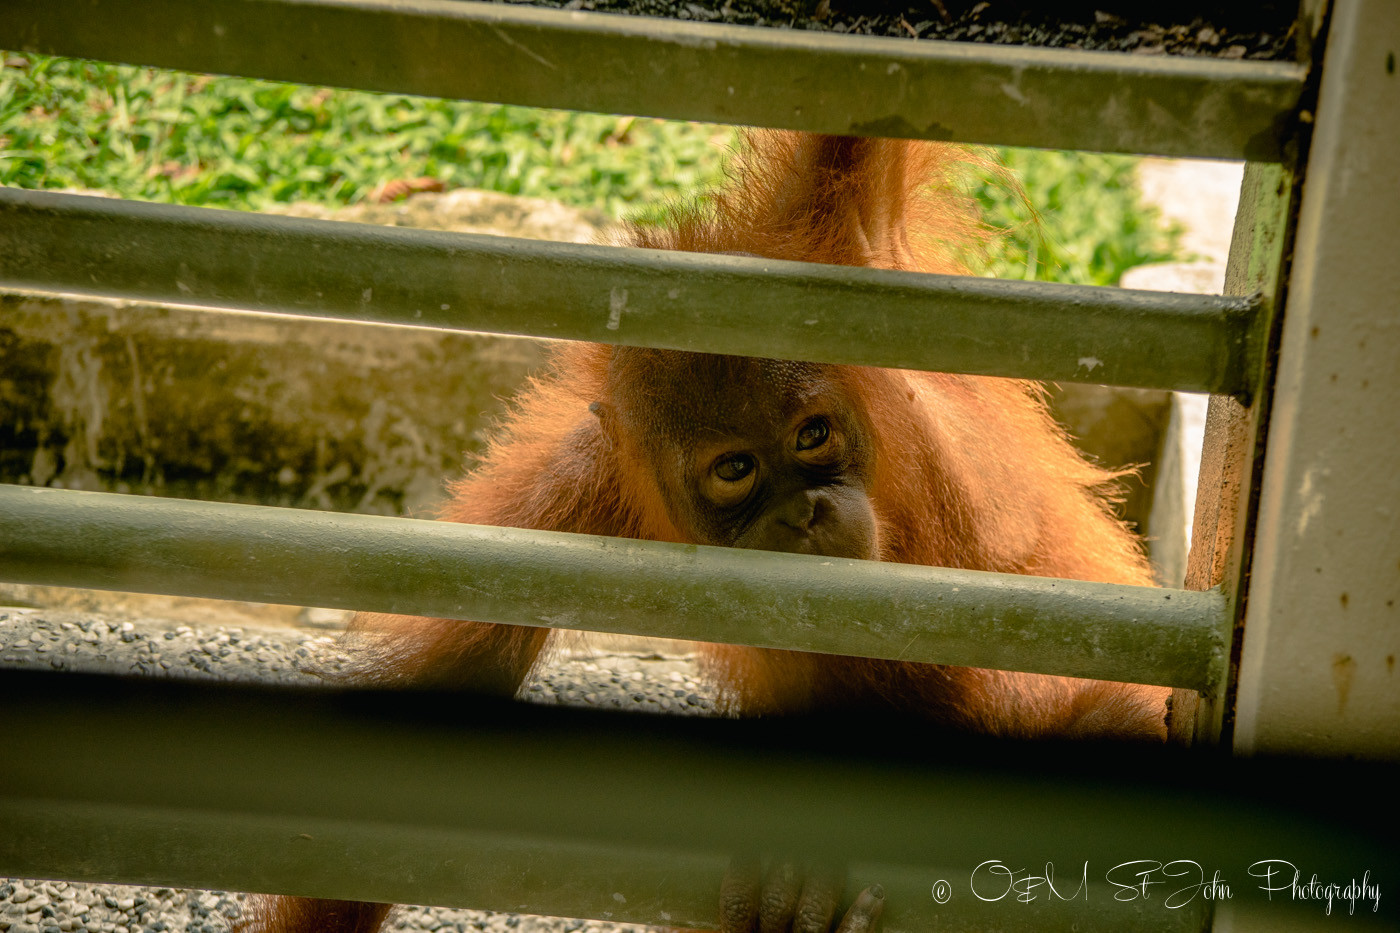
<point>1262,30</point>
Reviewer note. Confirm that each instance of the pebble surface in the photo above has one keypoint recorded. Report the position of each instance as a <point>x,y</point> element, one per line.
<point>1187,28</point>
<point>90,643</point>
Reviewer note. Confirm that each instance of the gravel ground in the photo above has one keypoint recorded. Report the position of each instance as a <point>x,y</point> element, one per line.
<point>94,643</point>
<point>60,907</point>
<point>1261,30</point>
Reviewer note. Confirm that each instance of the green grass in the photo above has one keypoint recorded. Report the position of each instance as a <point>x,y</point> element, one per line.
<point>234,142</point>
<point>1080,220</point>
<point>239,143</point>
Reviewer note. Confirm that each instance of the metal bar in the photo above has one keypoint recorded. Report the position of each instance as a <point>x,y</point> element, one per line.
<point>447,799</point>
<point>1222,540</point>
<point>835,606</point>
<point>820,82</point>
<point>719,304</point>
<point>112,842</point>
<point>508,872</point>
<point>1320,615</point>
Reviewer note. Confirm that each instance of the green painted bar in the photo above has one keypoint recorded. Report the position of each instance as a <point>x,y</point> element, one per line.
<point>821,82</point>
<point>109,843</point>
<point>508,872</point>
<point>443,798</point>
<point>719,304</point>
<point>835,606</point>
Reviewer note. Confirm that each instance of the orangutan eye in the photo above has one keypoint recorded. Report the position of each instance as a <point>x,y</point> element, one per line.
<point>813,434</point>
<point>735,468</point>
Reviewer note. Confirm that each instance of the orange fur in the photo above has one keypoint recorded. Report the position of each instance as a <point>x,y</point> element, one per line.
<point>310,915</point>
<point>840,200</point>
<point>969,472</point>
<point>972,472</point>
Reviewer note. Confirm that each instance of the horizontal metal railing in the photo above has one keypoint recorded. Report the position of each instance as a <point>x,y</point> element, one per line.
<point>436,798</point>
<point>720,304</point>
<point>820,82</point>
<point>291,797</point>
<point>836,606</point>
